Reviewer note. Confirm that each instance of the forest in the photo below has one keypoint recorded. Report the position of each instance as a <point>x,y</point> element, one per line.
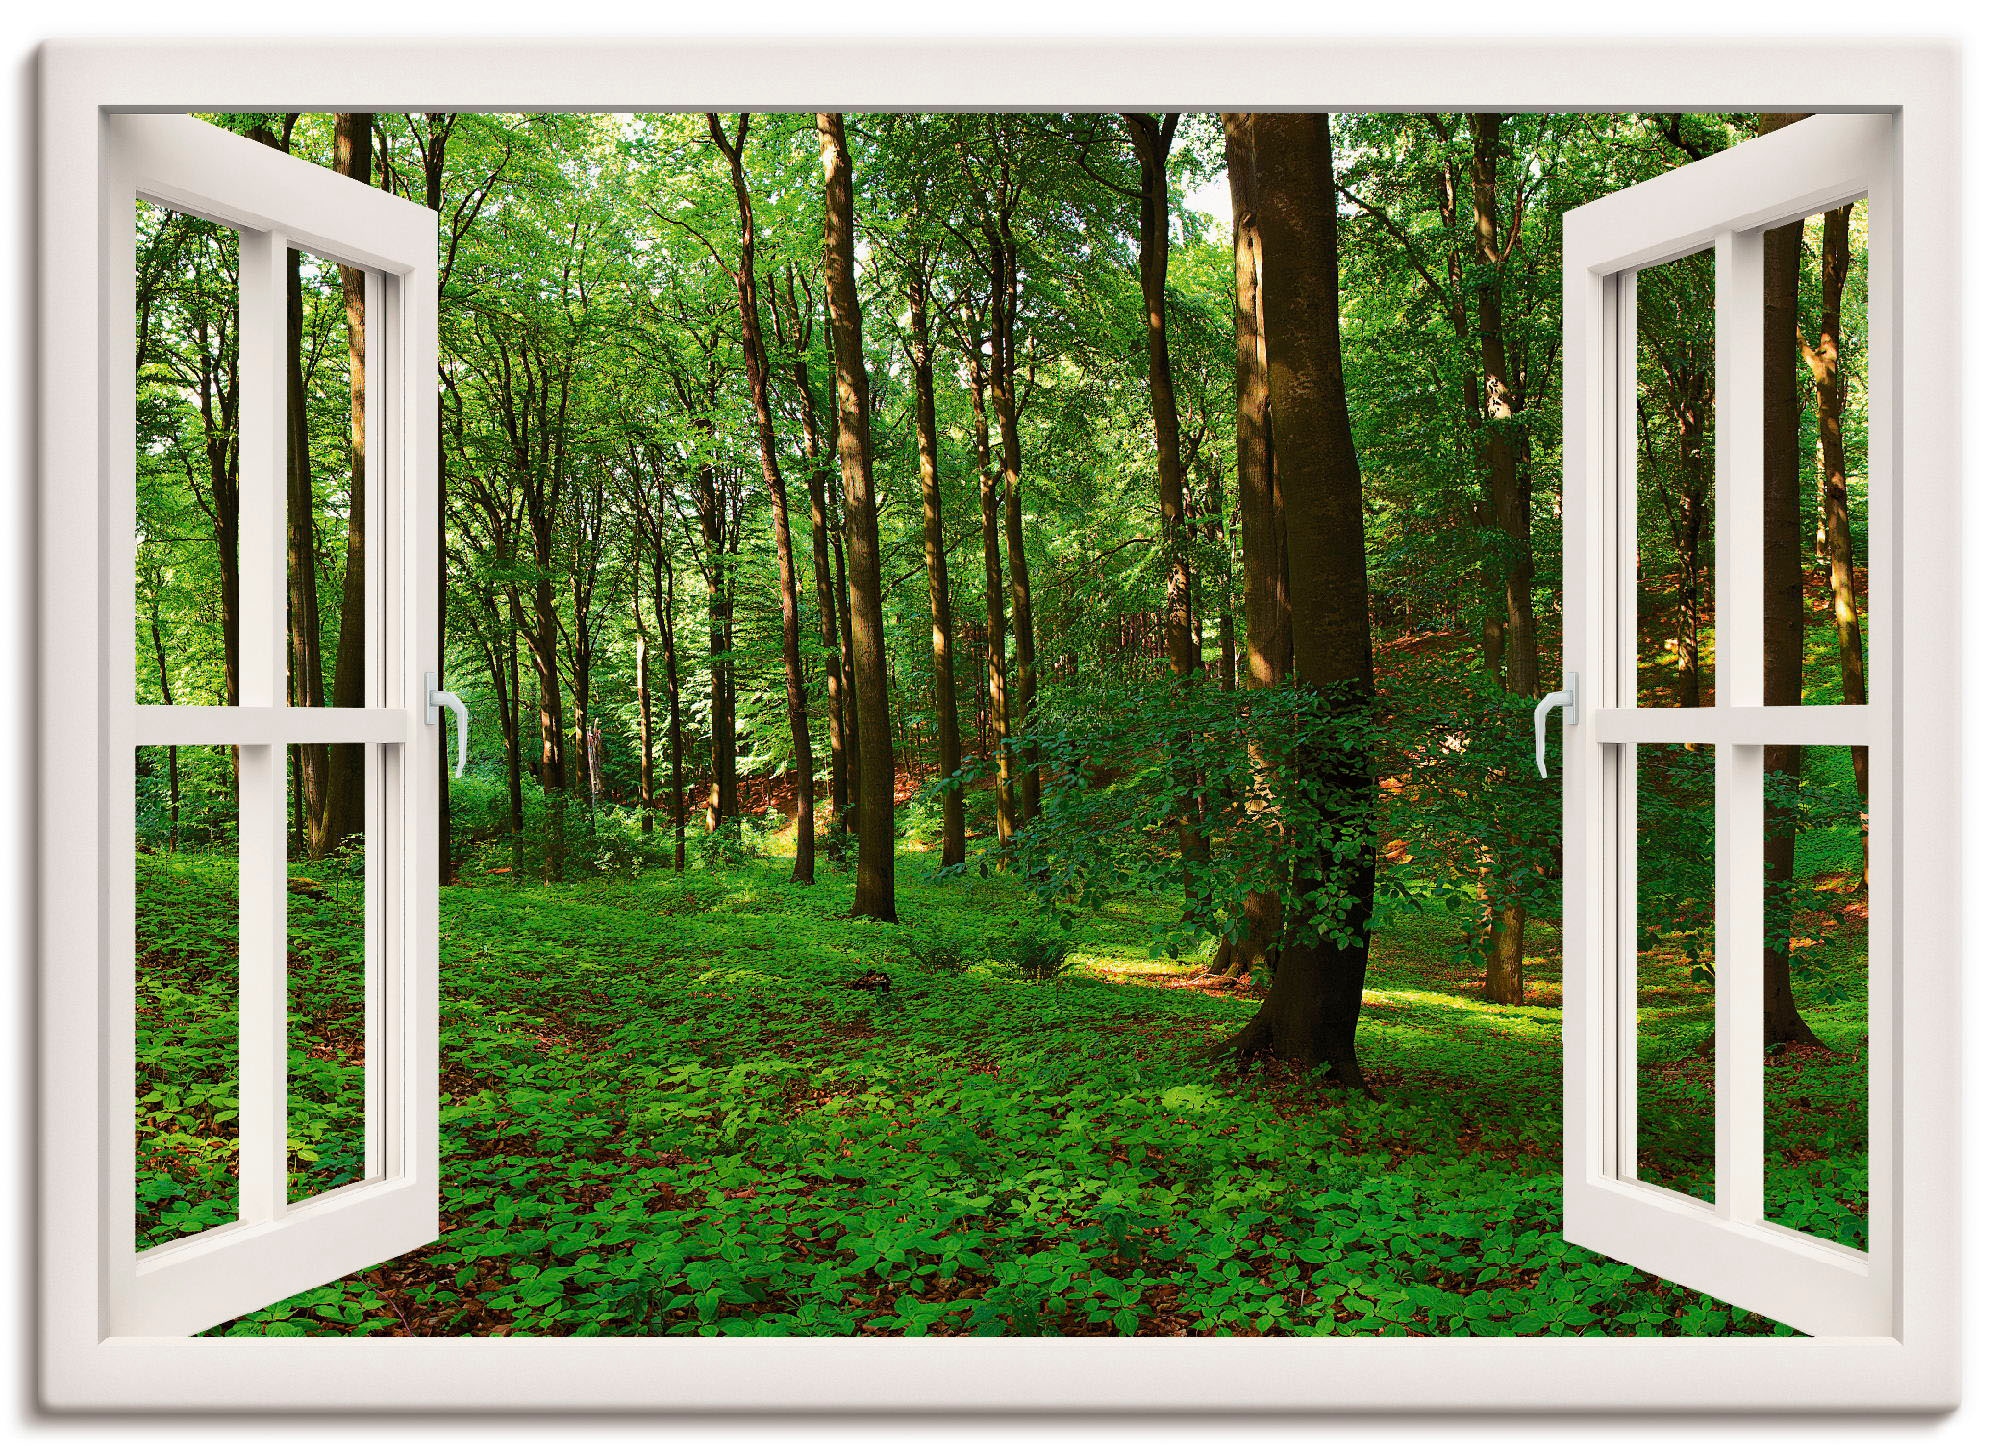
<point>1000,651</point>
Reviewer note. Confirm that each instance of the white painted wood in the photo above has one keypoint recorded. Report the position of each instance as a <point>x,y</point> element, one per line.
<point>1726,1249</point>
<point>263,725</point>
<point>1794,725</point>
<point>276,1249</point>
<point>82,1365</point>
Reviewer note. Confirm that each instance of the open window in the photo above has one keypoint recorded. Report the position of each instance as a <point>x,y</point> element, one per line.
<point>124,1300</point>
<point>278,1232</point>
<point>1724,1240</point>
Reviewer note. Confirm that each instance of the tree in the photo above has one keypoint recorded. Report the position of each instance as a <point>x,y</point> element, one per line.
<point>1784,605</point>
<point>997,193</point>
<point>793,326</point>
<point>756,369</point>
<point>944,679</point>
<point>1315,999</point>
<point>345,806</point>
<point>1824,361</point>
<point>874,779</point>
<point>1507,501</point>
<point>1267,604</point>
<point>999,707</point>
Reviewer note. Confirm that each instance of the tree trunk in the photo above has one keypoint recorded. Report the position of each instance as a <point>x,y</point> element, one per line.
<point>829,644</point>
<point>173,752</point>
<point>1315,1000</point>
<point>346,793</point>
<point>438,132</point>
<point>663,622</point>
<point>1151,141</point>
<point>1005,267</point>
<point>1266,607</point>
<point>1830,405</point>
<point>1784,608</point>
<point>544,656</point>
<point>1694,398</point>
<point>874,764</point>
<point>998,705</point>
<point>510,707</point>
<point>795,330</point>
<point>308,668</point>
<point>757,372</point>
<point>944,678</point>
<point>711,506</point>
<point>642,688</point>
<point>1508,503</point>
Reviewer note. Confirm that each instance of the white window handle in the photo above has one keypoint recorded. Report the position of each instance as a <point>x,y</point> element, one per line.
<point>434,697</point>
<point>1566,698</point>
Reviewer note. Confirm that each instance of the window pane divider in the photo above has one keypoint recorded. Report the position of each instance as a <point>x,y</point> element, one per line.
<point>1744,725</point>
<point>254,725</point>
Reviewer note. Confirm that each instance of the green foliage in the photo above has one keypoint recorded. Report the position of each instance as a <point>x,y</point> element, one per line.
<point>669,1110</point>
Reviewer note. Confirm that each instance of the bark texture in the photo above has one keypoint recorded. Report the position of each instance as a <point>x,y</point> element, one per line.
<point>1315,999</point>
<point>874,758</point>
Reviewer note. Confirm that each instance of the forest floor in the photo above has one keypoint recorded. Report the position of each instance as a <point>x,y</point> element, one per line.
<point>681,1105</point>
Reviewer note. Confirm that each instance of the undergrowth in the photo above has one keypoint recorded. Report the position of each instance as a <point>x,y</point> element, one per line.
<point>712,1103</point>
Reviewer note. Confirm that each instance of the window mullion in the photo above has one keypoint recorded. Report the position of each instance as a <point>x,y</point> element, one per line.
<point>1739,768</point>
<point>262,993</point>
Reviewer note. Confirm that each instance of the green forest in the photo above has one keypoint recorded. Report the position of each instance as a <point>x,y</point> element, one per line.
<point>1000,651</point>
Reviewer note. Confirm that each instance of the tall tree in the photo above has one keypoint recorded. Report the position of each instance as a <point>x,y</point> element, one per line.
<point>998,191</point>
<point>346,789</point>
<point>1267,605</point>
<point>793,326</point>
<point>715,495</point>
<point>1152,139</point>
<point>306,684</point>
<point>874,759</point>
<point>999,704</point>
<point>1823,358</point>
<point>1784,604</point>
<point>1315,999</point>
<point>1508,503</point>
<point>756,368</point>
<point>944,678</point>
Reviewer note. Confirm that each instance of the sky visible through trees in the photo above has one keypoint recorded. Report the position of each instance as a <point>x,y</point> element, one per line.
<point>1013,591</point>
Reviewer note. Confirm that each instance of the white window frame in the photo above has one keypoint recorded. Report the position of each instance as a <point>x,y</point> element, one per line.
<point>1727,1247</point>
<point>275,1248</point>
<point>1914,1368</point>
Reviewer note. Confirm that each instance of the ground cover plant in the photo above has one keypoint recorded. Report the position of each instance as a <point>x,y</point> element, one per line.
<point>680,1104</point>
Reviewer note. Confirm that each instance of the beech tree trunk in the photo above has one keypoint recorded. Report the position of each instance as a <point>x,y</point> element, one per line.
<point>711,505</point>
<point>757,371</point>
<point>642,688</point>
<point>1829,377</point>
<point>663,625</point>
<point>1315,999</point>
<point>1152,138</point>
<point>874,760</point>
<point>1267,609</point>
<point>795,329</point>
<point>944,678</point>
<point>308,666</point>
<point>1784,607</point>
<point>1005,269</point>
<point>998,704</point>
<point>1508,502</point>
<point>306,685</point>
<point>346,789</point>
